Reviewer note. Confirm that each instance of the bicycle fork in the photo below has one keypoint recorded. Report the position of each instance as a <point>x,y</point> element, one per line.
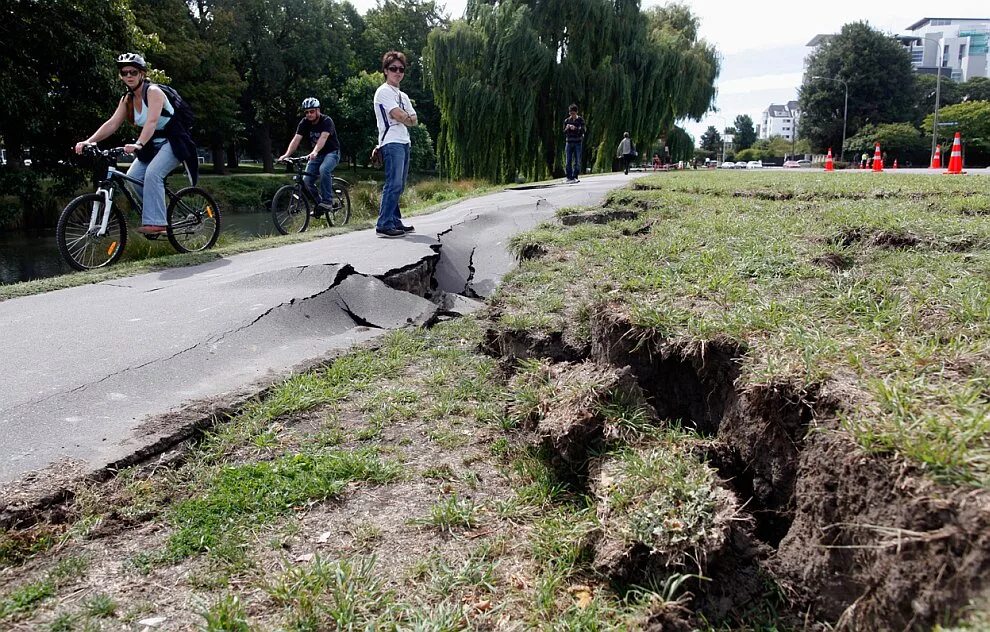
<point>94,217</point>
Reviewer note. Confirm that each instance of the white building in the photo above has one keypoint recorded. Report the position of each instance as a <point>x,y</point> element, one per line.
<point>958,45</point>
<point>780,120</point>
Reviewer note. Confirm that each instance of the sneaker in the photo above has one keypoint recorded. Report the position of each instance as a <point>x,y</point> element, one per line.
<point>390,232</point>
<point>152,230</point>
<point>406,229</point>
<point>320,209</point>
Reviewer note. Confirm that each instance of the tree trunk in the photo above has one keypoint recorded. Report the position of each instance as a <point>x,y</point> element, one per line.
<point>219,164</point>
<point>265,140</point>
<point>232,159</point>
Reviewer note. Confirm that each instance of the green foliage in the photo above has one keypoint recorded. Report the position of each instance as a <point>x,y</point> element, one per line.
<point>877,70</point>
<point>504,77</point>
<point>745,134</point>
<point>973,123</point>
<point>226,615</point>
<point>898,140</point>
<point>680,144</point>
<point>711,140</point>
<point>238,497</point>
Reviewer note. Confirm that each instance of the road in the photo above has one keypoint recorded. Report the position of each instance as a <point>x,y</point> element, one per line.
<point>98,376</point>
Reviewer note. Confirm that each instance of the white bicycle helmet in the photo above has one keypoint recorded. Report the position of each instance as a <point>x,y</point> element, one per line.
<point>132,59</point>
<point>310,102</point>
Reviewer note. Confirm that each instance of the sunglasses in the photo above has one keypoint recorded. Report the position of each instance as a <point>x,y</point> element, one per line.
<point>130,73</point>
<point>399,69</point>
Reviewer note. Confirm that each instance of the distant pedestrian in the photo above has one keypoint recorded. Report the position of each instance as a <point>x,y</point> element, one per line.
<point>574,139</point>
<point>656,162</point>
<point>394,114</point>
<point>626,151</point>
<point>865,158</point>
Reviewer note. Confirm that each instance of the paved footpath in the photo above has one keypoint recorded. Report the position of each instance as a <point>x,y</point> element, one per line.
<point>94,375</point>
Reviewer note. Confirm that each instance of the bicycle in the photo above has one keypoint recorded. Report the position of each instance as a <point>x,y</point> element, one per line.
<point>92,230</point>
<point>295,203</point>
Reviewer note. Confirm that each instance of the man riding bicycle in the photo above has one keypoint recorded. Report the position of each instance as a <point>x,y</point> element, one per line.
<point>323,158</point>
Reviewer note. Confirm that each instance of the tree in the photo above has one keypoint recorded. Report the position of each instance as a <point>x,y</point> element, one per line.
<point>357,128</point>
<point>711,140</point>
<point>745,134</point>
<point>972,120</point>
<point>58,83</point>
<point>898,140</point>
<point>405,25</point>
<point>877,70</point>
<point>197,58</point>
<point>925,92</point>
<point>57,67</point>
<point>285,50</point>
<point>976,89</point>
<point>503,79</point>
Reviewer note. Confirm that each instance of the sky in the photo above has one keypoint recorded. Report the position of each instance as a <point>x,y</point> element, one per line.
<point>763,44</point>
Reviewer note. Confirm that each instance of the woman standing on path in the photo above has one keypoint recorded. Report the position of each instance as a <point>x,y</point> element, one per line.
<point>394,114</point>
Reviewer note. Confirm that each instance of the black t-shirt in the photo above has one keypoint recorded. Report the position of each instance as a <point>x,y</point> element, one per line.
<point>312,131</point>
<point>574,135</point>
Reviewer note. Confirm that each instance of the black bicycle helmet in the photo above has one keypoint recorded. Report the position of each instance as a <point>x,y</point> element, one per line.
<point>131,59</point>
<point>310,102</point>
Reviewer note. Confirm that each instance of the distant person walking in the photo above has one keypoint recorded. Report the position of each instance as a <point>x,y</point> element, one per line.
<point>626,151</point>
<point>394,114</point>
<point>865,159</point>
<point>574,139</point>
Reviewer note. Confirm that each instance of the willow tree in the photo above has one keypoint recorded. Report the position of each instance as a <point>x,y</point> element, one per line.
<point>504,76</point>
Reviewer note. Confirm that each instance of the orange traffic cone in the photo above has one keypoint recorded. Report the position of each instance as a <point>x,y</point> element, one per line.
<point>937,158</point>
<point>955,160</point>
<point>829,166</point>
<point>877,159</point>
<point>895,164</point>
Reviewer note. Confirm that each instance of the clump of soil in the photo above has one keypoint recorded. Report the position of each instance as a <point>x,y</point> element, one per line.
<point>833,261</point>
<point>690,383</point>
<point>875,545</point>
<point>599,216</point>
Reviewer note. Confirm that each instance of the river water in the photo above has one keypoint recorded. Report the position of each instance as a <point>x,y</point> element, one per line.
<point>33,255</point>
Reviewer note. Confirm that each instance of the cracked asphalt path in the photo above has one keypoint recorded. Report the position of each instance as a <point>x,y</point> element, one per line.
<point>91,374</point>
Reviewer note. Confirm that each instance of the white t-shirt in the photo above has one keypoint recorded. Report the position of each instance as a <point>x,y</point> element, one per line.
<point>390,98</point>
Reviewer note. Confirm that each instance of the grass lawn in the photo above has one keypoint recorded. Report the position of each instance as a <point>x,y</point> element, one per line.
<point>428,484</point>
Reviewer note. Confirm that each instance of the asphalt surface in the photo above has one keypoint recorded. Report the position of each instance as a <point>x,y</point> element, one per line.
<point>93,375</point>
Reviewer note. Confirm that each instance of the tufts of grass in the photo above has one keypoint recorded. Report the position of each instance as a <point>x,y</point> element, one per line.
<point>100,606</point>
<point>225,615</point>
<point>237,497</point>
<point>450,513</point>
<point>25,598</point>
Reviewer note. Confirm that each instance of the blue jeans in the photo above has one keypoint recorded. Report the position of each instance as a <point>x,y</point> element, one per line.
<point>396,157</point>
<point>324,167</point>
<point>153,174</point>
<point>572,153</point>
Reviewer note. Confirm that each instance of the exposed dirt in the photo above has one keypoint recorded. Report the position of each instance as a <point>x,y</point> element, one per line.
<point>598,216</point>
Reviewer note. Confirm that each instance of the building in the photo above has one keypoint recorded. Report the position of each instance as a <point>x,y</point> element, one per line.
<point>957,45</point>
<point>780,120</point>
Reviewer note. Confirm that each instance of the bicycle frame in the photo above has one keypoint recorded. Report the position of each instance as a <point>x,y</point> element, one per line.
<point>106,188</point>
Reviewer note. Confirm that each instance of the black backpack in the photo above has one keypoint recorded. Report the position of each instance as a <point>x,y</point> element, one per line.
<point>183,112</point>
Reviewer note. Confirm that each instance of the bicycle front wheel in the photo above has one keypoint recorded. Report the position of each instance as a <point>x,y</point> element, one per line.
<point>84,247</point>
<point>193,220</point>
<point>341,212</point>
<point>290,210</point>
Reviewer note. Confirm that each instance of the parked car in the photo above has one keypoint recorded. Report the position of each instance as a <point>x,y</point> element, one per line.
<point>728,165</point>
<point>791,164</point>
<point>804,163</point>
<point>754,164</point>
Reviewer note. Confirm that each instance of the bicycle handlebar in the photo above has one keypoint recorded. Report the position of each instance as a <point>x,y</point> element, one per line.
<point>96,152</point>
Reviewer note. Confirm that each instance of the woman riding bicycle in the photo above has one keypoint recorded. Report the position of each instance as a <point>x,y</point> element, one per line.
<point>319,129</point>
<point>158,148</point>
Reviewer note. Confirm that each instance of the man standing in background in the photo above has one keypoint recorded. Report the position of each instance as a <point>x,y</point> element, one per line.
<point>574,138</point>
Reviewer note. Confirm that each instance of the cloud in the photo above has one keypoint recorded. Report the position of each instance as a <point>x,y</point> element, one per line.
<point>784,81</point>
